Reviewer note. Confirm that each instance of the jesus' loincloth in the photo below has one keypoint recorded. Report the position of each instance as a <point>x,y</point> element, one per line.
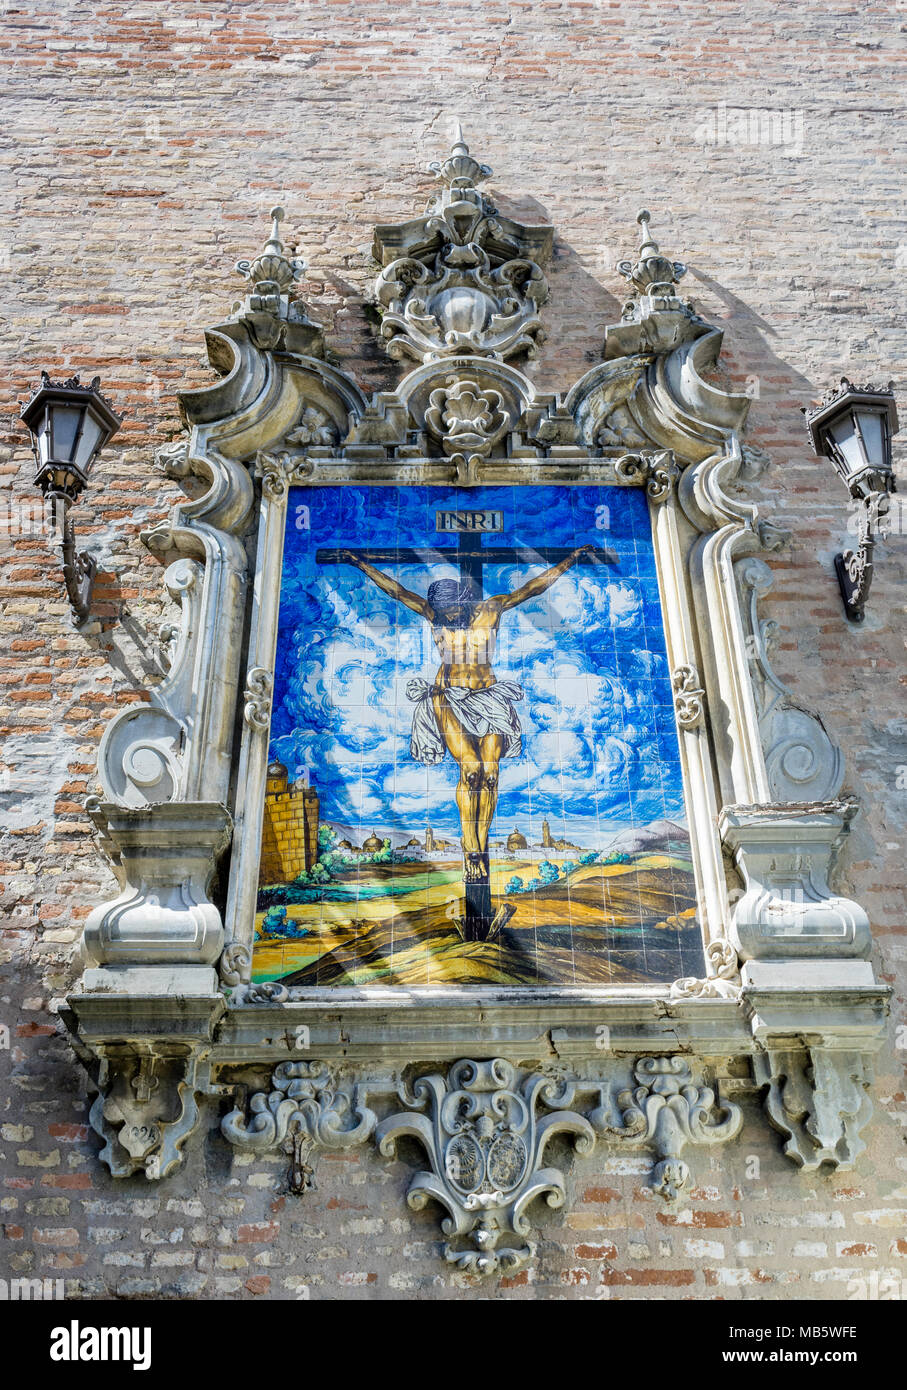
<point>481,712</point>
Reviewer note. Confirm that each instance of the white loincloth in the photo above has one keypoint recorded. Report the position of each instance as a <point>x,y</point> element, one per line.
<point>481,712</point>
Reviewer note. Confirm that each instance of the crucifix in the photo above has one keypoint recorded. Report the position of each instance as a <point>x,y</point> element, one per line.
<point>466,711</point>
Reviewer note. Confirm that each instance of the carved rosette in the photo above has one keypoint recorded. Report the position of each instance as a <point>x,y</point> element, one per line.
<point>484,1134</point>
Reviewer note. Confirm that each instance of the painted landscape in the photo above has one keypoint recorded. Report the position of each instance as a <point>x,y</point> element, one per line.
<point>621,919</point>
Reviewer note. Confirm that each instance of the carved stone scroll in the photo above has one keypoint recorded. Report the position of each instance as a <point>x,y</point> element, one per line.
<point>667,1110</point>
<point>306,1108</point>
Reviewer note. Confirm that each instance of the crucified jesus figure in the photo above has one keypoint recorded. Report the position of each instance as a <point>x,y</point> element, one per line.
<point>466,712</point>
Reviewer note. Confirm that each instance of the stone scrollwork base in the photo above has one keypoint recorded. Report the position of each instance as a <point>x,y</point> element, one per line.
<point>819,1101</point>
<point>305,1109</point>
<point>485,1127</point>
<point>667,1110</point>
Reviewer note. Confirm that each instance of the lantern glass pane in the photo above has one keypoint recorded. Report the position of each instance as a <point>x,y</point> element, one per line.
<point>873,440</point>
<point>43,439</point>
<point>847,442</point>
<point>88,442</point>
<point>65,421</point>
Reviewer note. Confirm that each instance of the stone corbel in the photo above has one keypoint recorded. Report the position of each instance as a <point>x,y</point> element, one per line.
<point>146,1050</point>
<point>305,1109</point>
<point>817,1098</point>
<point>145,1110</point>
<point>484,1127</point>
<point>484,1132</point>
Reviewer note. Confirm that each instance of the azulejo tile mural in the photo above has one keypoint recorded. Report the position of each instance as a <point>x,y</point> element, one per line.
<point>474,772</point>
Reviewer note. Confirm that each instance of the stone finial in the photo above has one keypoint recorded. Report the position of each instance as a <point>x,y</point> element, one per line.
<point>655,319</point>
<point>269,311</point>
<point>652,272</point>
<point>459,169</point>
<point>272,268</point>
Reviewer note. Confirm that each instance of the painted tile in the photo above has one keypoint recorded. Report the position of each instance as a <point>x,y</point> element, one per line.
<point>602,890</point>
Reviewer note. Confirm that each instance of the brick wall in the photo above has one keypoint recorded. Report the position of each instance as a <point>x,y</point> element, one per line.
<point>145,143</point>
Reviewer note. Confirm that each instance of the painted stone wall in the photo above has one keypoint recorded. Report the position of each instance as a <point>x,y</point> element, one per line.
<point>145,145</point>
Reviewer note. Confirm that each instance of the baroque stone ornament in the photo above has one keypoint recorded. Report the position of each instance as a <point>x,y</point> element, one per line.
<point>468,420</point>
<point>818,1099</point>
<point>667,1110</point>
<point>462,279</point>
<point>257,696</point>
<point>485,1133</point>
<point>184,771</point>
<point>270,313</point>
<point>659,472</point>
<point>688,696</point>
<point>306,1108</point>
<point>655,318</point>
<point>723,980</point>
<point>235,964</point>
<point>802,762</point>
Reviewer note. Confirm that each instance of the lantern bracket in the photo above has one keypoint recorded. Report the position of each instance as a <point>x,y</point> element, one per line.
<point>79,567</point>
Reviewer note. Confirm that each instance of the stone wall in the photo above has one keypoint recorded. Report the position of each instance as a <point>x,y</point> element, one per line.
<point>145,145</point>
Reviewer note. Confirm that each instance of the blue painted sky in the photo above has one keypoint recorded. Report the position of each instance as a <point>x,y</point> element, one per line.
<point>599,739</point>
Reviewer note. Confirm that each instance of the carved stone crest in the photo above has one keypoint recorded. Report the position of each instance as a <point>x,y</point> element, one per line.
<point>468,280</point>
<point>484,1134</point>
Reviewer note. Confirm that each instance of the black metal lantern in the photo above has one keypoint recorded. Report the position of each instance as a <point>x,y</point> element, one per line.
<point>69,426</point>
<point>853,427</point>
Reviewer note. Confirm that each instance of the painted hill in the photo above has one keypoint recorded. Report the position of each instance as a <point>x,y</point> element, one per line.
<point>658,834</point>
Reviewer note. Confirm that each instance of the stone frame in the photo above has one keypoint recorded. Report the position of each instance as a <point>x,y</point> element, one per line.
<point>789,1000</point>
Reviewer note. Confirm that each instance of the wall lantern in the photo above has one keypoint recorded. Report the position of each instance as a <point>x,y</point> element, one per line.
<point>69,426</point>
<point>853,427</point>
